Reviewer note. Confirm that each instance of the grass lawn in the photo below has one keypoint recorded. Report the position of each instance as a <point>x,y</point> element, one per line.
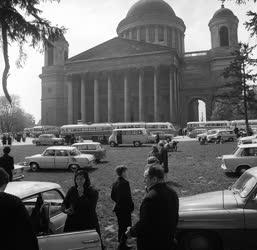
<point>193,169</point>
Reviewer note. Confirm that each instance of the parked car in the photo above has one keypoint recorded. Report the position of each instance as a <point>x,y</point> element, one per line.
<point>51,236</point>
<point>247,139</point>
<point>195,132</point>
<point>18,172</point>
<point>90,147</point>
<point>222,134</point>
<point>60,157</point>
<point>48,139</point>
<point>225,219</point>
<point>204,135</point>
<point>243,158</point>
<point>163,135</point>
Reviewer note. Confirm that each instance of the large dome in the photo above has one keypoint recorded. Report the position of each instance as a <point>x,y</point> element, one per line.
<point>156,7</point>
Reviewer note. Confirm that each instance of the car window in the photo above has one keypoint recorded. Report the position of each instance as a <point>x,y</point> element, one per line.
<point>61,153</point>
<point>249,152</point>
<point>55,200</point>
<point>91,147</point>
<point>49,152</point>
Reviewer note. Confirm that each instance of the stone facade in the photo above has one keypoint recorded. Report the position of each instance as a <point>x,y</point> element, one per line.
<point>144,74</point>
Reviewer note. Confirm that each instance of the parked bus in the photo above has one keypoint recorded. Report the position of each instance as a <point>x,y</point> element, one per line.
<point>44,129</point>
<point>95,131</point>
<point>208,125</point>
<point>241,123</point>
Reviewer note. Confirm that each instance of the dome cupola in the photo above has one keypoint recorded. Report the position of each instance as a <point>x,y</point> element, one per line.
<point>153,21</point>
<point>223,27</point>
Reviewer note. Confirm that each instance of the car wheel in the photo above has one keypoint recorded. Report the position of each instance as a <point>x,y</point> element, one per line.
<point>73,167</point>
<point>112,144</point>
<point>34,166</point>
<point>199,241</point>
<point>241,169</point>
<point>137,144</point>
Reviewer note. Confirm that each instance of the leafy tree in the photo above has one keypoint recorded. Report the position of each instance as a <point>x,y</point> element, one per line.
<point>251,25</point>
<point>12,117</point>
<point>238,90</point>
<point>20,22</point>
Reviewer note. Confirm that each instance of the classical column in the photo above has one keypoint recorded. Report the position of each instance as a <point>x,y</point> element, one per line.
<point>171,78</point>
<point>155,89</point>
<point>83,98</point>
<point>110,112</point>
<point>183,43</point>
<point>175,92</point>
<point>70,99</point>
<point>147,39</point>
<point>156,39</point>
<point>166,35</point>
<point>130,34</point>
<point>173,41</point>
<point>96,100</point>
<point>126,98</point>
<point>138,34</point>
<point>140,95</point>
<point>179,41</point>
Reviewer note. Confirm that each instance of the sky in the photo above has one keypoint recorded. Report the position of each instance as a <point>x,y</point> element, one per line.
<point>90,23</point>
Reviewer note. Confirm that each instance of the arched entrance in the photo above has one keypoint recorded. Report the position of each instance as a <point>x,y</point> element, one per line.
<point>196,110</point>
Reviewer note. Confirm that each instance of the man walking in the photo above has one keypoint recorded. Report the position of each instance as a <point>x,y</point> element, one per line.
<point>163,157</point>
<point>16,229</point>
<point>124,205</point>
<point>158,213</point>
<point>6,162</point>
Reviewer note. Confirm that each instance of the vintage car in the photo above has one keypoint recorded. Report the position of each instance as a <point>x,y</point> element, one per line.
<point>50,228</point>
<point>48,139</point>
<point>195,132</point>
<point>91,147</point>
<point>204,135</point>
<point>60,157</point>
<point>163,135</point>
<point>222,134</point>
<point>247,139</point>
<point>243,158</point>
<point>18,172</point>
<point>225,219</point>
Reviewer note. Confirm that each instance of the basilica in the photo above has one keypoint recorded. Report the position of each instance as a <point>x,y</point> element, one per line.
<point>142,74</point>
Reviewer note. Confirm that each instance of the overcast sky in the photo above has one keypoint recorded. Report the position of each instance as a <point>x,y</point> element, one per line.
<point>90,23</point>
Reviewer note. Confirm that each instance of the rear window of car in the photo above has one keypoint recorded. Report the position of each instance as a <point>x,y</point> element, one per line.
<point>91,147</point>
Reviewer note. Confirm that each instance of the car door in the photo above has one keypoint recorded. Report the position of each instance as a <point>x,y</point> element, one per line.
<point>47,159</point>
<point>81,240</point>
<point>61,158</point>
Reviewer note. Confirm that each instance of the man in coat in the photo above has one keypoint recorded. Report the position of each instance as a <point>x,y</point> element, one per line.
<point>124,205</point>
<point>163,157</point>
<point>158,213</point>
<point>16,229</point>
<point>6,162</point>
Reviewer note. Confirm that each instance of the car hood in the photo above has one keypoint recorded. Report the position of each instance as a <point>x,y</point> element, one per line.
<point>208,201</point>
<point>33,156</point>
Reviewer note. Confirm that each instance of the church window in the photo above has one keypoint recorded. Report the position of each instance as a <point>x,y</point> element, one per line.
<point>224,41</point>
<point>50,54</point>
<point>160,34</point>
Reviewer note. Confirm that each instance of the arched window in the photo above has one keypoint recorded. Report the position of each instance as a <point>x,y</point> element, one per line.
<point>50,54</point>
<point>224,41</point>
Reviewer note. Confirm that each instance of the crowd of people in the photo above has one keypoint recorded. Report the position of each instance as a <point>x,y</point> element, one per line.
<point>158,216</point>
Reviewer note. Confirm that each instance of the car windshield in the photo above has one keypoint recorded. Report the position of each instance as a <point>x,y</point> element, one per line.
<point>244,185</point>
<point>75,152</point>
<point>237,151</point>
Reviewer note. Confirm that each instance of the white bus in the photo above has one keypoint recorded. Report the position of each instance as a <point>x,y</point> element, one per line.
<point>241,123</point>
<point>44,129</point>
<point>208,125</point>
<point>165,127</point>
<point>95,131</point>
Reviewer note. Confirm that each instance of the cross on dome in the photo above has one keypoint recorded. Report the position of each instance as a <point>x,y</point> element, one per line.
<point>222,5</point>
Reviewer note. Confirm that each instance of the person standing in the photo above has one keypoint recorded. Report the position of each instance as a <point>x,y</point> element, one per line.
<point>158,213</point>
<point>16,229</point>
<point>80,205</point>
<point>163,157</point>
<point>121,195</point>
<point>7,162</point>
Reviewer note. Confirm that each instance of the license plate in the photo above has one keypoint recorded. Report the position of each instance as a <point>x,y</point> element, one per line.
<point>223,166</point>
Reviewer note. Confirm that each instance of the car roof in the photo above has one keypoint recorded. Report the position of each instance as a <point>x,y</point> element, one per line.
<point>61,147</point>
<point>85,143</point>
<point>252,145</point>
<point>124,129</point>
<point>24,189</point>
